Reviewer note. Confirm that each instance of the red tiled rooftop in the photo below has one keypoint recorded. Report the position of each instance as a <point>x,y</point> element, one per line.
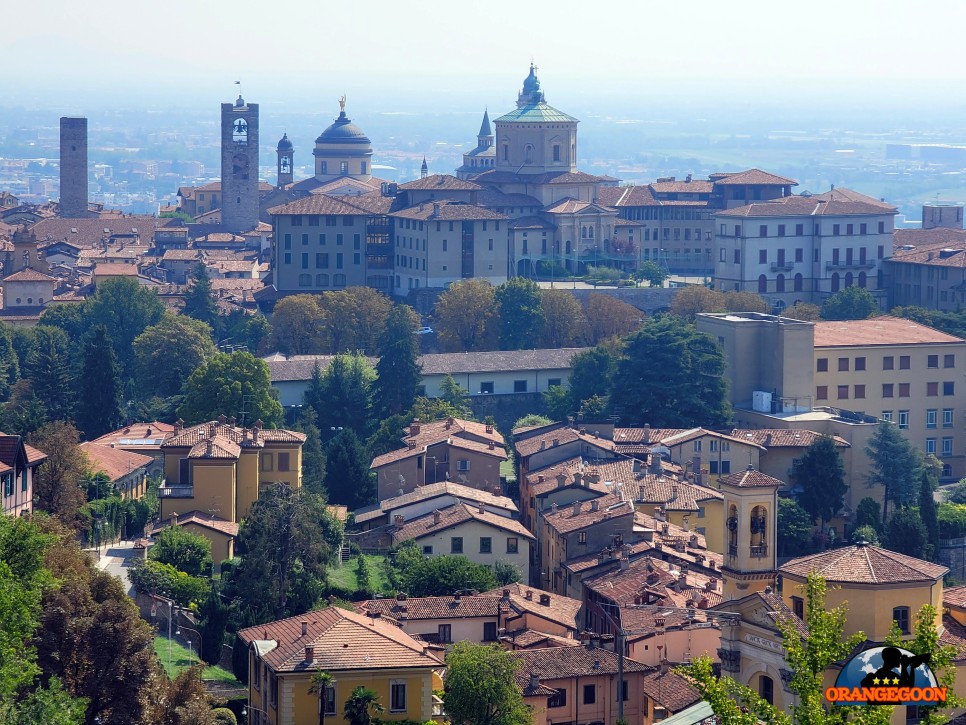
<point>882,330</point>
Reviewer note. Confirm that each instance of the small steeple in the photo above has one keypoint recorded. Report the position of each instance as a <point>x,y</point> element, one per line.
<point>424,169</point>
<point>485,129</point>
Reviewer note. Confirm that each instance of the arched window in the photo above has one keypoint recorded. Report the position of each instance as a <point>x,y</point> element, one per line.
<point>835,281</point>
<point>583,232</point>
<point>733,530</point>
<point>568,247</point>
<point>590,232</point>
<point>766,689</point>
<point>506,152</point>
<point>798,282</point>
<point>862,279</point>
<point>528,154</point>
<point>758,525</point>
<point>762,284</point>
<point>848,279</point>
<point>780,283</point>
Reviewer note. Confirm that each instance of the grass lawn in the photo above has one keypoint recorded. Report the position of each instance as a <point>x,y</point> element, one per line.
<point>345,575</point>
<point>182,659</point>
<point>507,469</point>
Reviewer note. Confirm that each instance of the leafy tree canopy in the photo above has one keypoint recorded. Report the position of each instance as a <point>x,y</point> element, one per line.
<point>229,385</point>
<point>850,303</point>
<point>481,688</point>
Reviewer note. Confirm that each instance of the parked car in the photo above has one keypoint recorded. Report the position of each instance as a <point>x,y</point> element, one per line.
<point>424,331</point>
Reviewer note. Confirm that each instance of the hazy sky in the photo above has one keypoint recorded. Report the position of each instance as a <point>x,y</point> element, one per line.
<point>62,51</point>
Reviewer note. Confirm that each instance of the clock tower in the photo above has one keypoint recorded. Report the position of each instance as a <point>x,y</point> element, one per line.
<point>751,516</point>
<point>239,165</point>
<point>286,156</point>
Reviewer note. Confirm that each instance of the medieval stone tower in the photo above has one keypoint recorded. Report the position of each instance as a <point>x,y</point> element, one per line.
<point>239,165</point>
<point>73,167</point>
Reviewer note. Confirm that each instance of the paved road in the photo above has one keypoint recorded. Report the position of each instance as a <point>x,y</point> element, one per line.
<point>116,558</point>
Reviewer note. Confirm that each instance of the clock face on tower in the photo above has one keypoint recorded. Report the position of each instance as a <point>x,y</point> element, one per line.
<point>285,165</point>
<point>239,131</point>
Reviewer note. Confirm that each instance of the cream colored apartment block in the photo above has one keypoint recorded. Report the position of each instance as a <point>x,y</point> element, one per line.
<point>900,371</point>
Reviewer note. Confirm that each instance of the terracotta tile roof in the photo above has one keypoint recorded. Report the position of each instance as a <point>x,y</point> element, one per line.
<point>646,435</point>
<point>434,490</point>
<point>643,620</point>
<point>955,596</point>
<point>496,198</point>
<point>954,635</point>
<point>33,455</point>
<point>562,435</point>
<point>783,437</point>
<point>317,204</point>
<point>618,196</point>
<point>671,494</point>
<point>843,194</point>
<point>341,640</point>
<point>806,206</point>
<point>670,690</point>
<point>695,433</point>
<point>547,605</point>
<point>401,454</point>
<point>29,275</point>
<point>882,330</point>
<point>750,478</point>
<point>864,564</point>
<point>417,608</point>
<point>559,663</point>
<point>217,446</point>
<point>115,269</point>
<point>531,638</point>
<point>950,251</point>
<point>568,205</point>
<point>439,182</point>
<point>754,176</point>
<point>454,516</point>
<point>444,210</point>
<point>498,361</point>
<point>115,462</point>
<point>89,232</point>
<point>189,437</point>
<point>695,186</point>
<point>440,430</point>
<point>566,520</point>
<point>208,521</point>
<point>10,447</point>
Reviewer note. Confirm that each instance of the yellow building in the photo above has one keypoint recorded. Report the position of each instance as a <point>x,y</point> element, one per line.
<point>218,469</point>
<point>357,650</point>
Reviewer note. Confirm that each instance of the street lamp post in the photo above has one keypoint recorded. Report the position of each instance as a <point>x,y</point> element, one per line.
<point>170,616</point>
<point>178,633</point>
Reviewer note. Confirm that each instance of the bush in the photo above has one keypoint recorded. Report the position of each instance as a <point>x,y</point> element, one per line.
<point>155,577</point>
<point>224,716</point>
<point>187,552</point>
<point>866,532</point>
<point>957,494</point>
<point>952,521</point>
<point>362,573</point>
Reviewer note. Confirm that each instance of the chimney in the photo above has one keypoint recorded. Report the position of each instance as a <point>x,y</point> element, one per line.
<point>232,420</point>
<point>674,494</point>
<point>457,597</point>
<point>255,432</point>
<point>489,428</point>
<point>543,445</point>
<point>482,508</point>
<point>540,478</point>
<point>545,600</point>
<point>490,445</point>
<point>555,442</point>
<point>435,209</point>
<point>437,516</point>
<point>411,443</point>
<point>414,427</point>
<point>178,425</point>
<point>637,465</point>
<point>528,595</point>
<point>561,480</point>
<point>449,422</point>
<point>506,595</point>
<point>577,507</point>
<point>399,519</point>
<point>657,464</point>
<point>687,522</point>
<point>625,563</point>
<point>534,680</point>
<point>222,418</point>
<point>259,424</point>
<point>553,507</point>
<point>682,579</point>
<point>401,597</point>
<point>594,505</point>
<point>578,478</point>
<point>658,513</point>
<point>768,441</point>
<point>149,431</point>
<point>305,628</point>
<point>309,653</point>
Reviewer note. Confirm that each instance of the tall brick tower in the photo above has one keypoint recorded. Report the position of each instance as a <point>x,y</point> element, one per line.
<point>239,165</point>
<point>73,167</point>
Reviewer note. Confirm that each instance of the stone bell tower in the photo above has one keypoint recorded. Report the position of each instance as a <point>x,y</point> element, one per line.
<point>239,165</point>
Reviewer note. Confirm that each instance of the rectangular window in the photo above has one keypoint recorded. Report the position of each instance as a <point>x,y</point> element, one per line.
<point>8,485</point>
<point>850,229</point>
<point>947,417</point>
<point>763,230</point>
<point>932,361</point>
<point>697,446</point>
<point>822,365</point>
<point>799,255</point>
<point>843,392</point>
<point>863,228</point>
<point>305,261</point>
<point>428,549</point>
<point>821,392</point>
<point>762,256</point>
<point>397,697</point>
<point>283,462</point>
<point>737,256</point>
<point>339,260</point>
<point>860,363</point>
<point>512,545</point>
<point>859,392</point>
<point>781,230</point>
<point>888,362</point>
<point>843,364</point>
<point>486,388</point>
<point>486,545</point>
<point>287,240</point>
<point>931,418</point>
<point>558,700</point>
<point>947,446</point>
<point>456,545</point>
<point>932,389</point>
<point>446,633</point>
<point>582,537</point>
<point>725,467</point>
<point>887,415</point>
<point>836,229</point>
<point>590,694</point>
<point>798,607</point>
<point>268,462</point>
<point>904,390</point>
<point>904,419</point>
<point>519,386</point>
<point>489,631</point>
<point>305,240</point>
<point>887,390</point>
<point>931,446</point>
<point>949,361</point>
<point>330,700</point>
<point>949,388</point>
<point>903,362</point>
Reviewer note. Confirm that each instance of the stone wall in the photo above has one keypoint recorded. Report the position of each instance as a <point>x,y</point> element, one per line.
<point>952,553</point>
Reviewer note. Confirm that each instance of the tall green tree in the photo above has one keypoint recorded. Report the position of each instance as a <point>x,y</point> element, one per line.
<point>99,386</point>
<point>454,395</point>
<point>48,367</point>
<point>346,396</point>
<point>9,364</point>
<point>591,372</point>
<point>126,309</point>
<point>563,319</point>
<point>360,706</point>
<point>520,312</point>
<point>58,480</point>
<point>398,371</point>
<point>907,534</point>
<point>692,390</point>
<point>313,454</point>
<point>167,353</point>
<point>928,511</point>
<point>69,318</point>
<point>24,412</point>
<point>319,684</point>
<point>215,614</point>
<point>465,316</point>
<point>230,385</point>
<point>199,302</point>
<point>287,543</point>
<point>869,513</point>
<point>481,688</point>
<point>348,480</point>
<point>820,477</point>
<point>184,550</point>
<point>795,525</point>
<point>896,465</point>
<point>353,319</point>
<point>297,323</point>
<point>850,303</point>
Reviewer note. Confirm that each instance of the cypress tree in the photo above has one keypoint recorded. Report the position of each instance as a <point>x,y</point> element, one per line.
<point>99,409</point>
<point>399,372</point>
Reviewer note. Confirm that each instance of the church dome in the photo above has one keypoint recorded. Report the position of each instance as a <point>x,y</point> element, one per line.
<point>531,83</point>
<point>284,144</point>
<point>343,131</point>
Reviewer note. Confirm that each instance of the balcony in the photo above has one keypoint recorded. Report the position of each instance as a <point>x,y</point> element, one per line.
<point>782,266</point>
<point>176,492</point>
<point>759,552</point>
<point>855,264</point>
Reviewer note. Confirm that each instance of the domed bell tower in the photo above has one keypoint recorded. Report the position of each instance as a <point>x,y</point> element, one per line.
<point>286,161</point>
<point>751,517</point>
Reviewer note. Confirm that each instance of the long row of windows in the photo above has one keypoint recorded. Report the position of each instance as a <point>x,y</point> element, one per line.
<point>888,363</point>
<point>782,230</point>
<point>889,390</point>
<point>486,542</point>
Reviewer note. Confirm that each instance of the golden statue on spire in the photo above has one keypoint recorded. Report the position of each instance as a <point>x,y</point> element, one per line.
<point>342,103</point>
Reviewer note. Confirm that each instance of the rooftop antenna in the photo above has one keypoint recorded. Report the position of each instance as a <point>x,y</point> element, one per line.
<point>246,399</point>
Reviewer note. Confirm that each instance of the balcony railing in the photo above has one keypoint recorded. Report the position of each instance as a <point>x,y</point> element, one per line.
<point>782,266</point>
<point>176,492</point>
<point>759,551</point>
<point>854,264</point>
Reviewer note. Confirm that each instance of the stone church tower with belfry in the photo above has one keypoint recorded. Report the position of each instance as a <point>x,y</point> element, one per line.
<point>239,165</point>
